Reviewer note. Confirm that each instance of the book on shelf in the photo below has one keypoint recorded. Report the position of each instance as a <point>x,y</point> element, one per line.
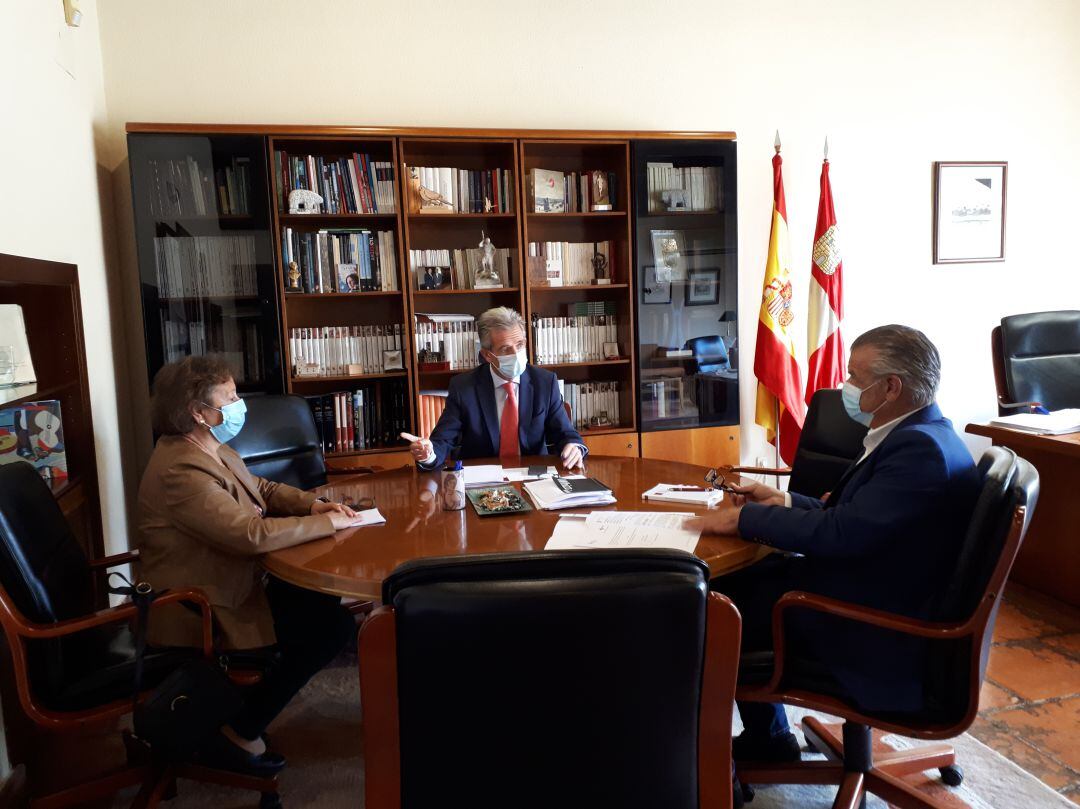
<point>240,343</point>
<point>189,187</point>
<point>559,264</point>
<point>453,190</point>
<point>460,269</point>
<point>350,184</point>
<point>592,404</point>
<point>576,337</point>
<point>368,417</point>
<point>33,432</point>
<point>571,192</point>
<point>446,338</point>
<point>683,188</point>
<point>205,266</point>
<point>343,350</point>
<point>432,404</point>
<point>340,260</point>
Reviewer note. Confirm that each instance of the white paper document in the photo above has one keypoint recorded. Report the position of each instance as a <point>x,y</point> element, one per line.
<point>369,516</point>
<point>494,475</point>
<point>1059,422</point>
<point>689,495</point>
<point>624,529</point>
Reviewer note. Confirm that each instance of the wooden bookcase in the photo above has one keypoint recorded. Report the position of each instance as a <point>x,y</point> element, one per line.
<point>470,149</point>
<point>48,292</point>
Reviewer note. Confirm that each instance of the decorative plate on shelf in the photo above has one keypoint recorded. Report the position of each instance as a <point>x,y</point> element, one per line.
<point>497,500</point>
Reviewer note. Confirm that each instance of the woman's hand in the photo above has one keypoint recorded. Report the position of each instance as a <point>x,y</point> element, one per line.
<point>322,507</point>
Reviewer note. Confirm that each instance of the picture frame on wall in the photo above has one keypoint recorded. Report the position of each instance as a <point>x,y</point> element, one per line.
<point>969,211</point>
<point>703,288</point>
<point>653,290</point>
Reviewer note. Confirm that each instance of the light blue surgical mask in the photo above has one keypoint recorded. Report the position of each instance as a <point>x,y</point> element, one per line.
<point>852,396</point>
<point>233,416</point>
<point>513,366</point>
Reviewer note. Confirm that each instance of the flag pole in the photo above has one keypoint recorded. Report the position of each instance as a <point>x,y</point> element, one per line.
<point>776,399</point>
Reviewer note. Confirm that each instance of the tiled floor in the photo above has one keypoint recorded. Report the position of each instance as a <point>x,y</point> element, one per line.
<point>1030,705</point>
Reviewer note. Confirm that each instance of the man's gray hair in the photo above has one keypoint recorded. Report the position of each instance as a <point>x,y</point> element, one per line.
<point>497,319</point>
<point>907,353</point>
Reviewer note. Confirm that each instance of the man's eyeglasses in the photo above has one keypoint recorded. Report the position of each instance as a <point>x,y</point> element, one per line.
<point>358,503</point>
<point>718,481</point>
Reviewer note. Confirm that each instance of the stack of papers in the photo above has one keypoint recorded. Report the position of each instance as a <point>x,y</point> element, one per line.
<point>369,516</point>
<point>624,529</point>
<point>494,475</point>
<point>573,491</point>
<point>676,493</point>
<point>1057,423</point>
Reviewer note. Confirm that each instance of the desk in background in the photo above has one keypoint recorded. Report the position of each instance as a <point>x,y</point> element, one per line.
<point>354,562</point>
<point>1049,560</point>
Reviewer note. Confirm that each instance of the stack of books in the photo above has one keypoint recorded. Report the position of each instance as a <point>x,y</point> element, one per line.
<point>432,405</point>
<point>205,266</point>
<point>575,338</point>
<point>183,187</point>
<point>552,494</point>
<point>366,418</point>
<point>592,404</point>
<point>241,344</point>
<point>353,184</point>
<point>697,186</point>
<point>483,191</point>
<point>331,350</point>
<point>570,192</point>
<point>448,338</point>
<point>340,260</point>
<point>557,264</point>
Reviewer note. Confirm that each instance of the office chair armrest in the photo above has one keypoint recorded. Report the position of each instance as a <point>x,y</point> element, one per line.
<point>1014,405</point>
<point>114,560</point>
<point>118,614</point>
<point>854,612</point>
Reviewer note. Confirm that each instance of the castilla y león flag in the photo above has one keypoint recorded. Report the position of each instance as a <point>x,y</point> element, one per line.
<point>826,346</point>
<point>779,401</point>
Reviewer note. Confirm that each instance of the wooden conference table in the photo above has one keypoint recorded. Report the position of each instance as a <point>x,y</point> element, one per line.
<point>354,562</point>
<point>1049,560</point>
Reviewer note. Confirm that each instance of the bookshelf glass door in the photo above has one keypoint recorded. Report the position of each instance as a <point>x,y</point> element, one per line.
<point>687,283</point>
<point>206,262</point>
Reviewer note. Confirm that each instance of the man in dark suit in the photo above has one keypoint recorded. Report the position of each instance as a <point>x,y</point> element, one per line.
<point>886,537</point>
<point>505,408</point>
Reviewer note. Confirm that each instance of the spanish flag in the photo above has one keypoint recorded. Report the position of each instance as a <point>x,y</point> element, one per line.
<point>779,393</point>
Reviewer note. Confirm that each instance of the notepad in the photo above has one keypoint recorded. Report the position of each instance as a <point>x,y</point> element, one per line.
<point>669,493</point>
<point>1058,422</point>
<point>369,516</point>
<point>574,491</point>
<point>624,529</point>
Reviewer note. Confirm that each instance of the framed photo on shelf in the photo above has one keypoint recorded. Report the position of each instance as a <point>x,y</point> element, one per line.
<point>969,211</point>
<point>348,278</point>
<point>669,255</point>
<point>703,288</point>
<point>653,291</point>
<point>392,361</point>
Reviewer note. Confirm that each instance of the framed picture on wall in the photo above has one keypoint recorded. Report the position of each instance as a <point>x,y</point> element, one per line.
<point>969,212</point>
<point>652,290</point>
<point>703,288</point>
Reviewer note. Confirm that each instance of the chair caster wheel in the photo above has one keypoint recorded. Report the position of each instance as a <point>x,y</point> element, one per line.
<point>270,800</point>
<point>952,775</point>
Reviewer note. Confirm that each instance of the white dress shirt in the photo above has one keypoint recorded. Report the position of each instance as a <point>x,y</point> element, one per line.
<point>871,441</point>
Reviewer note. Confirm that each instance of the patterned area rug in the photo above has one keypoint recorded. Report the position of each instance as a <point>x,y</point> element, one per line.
<point>320,734</point>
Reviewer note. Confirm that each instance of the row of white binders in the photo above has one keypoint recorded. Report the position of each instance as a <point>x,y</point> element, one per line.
<point>580,338</point>
<point>592,404</point>
<point>447,338</point>
<point>345,350</point>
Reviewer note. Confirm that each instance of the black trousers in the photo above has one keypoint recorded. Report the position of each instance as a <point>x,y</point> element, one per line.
<point>755,590</point>
<point>312,628</point>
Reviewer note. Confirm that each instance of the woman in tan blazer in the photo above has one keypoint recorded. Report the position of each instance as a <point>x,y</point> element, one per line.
<point>204,521</point>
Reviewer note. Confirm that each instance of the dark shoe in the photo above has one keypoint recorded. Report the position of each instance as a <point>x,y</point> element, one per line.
<point>770,749</point>
<point>220,753</point>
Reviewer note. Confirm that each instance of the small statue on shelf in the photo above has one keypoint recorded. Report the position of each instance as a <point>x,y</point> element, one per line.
<point>303,201</point>
<point>487,277</point>
<point>599,265</point>
<point>294,276</point>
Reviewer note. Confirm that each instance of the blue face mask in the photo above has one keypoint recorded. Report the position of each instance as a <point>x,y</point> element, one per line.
<point>852,397</point>
<point>513,366</point>
<point>233,416</point>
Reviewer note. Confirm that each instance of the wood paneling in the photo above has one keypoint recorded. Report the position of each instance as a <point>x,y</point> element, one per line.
<point>706,446</point>
<point>621,445</point>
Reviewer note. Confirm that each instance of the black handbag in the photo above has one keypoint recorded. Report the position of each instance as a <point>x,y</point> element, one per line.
<point>189,705</point>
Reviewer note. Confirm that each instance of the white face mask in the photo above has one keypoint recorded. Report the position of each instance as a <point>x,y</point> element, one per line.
<point>513,366</point>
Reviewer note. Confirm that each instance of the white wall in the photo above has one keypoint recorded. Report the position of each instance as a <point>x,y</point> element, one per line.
<point>52,103</point>
<point>894,86</point>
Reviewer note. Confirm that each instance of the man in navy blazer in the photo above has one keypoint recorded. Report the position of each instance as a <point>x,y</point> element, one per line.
<point>477,423</point>
<point>886,537</point>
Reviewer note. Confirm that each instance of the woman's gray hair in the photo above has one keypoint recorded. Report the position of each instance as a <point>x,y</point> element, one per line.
<point>498,319</point>
<point>908,354</point>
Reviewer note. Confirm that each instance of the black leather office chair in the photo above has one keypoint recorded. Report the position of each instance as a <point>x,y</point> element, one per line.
<point>1037,360</point>
<point>710,353</point>
<point>830,442</point>
<point>569,679</point>
<point>73,666</point>
<point>280,441</point>
<point>957,646</point>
